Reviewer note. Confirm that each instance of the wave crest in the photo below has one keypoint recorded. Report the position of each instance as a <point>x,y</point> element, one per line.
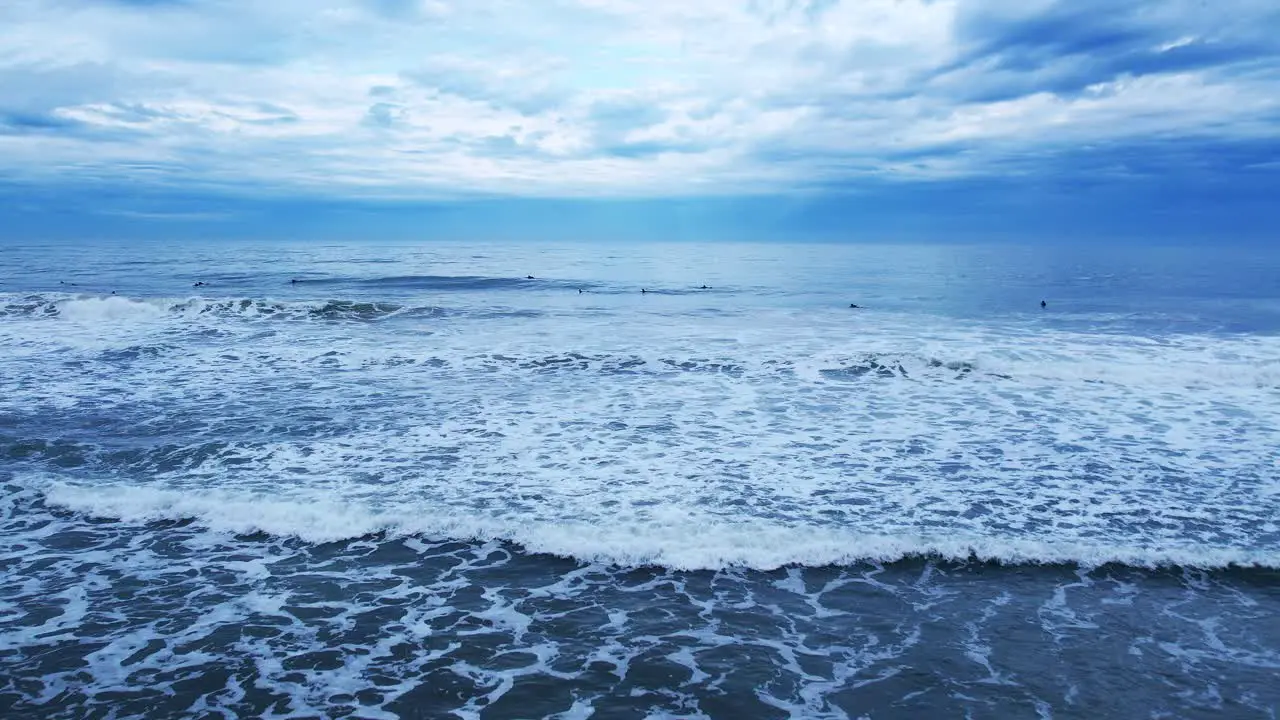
<point>112,308</point>
<point>691,544</point>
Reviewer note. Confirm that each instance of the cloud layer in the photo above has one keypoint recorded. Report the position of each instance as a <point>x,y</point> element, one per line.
<point>587,98</point>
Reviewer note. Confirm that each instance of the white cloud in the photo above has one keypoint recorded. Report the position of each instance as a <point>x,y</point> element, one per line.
<point>605,97</point>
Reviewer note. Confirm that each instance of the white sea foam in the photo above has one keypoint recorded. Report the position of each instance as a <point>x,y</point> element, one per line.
<point>752,427</point>
<point>110,309</point>
<point>682,543</point>
<point>783,437</point>
<point>371,624</point>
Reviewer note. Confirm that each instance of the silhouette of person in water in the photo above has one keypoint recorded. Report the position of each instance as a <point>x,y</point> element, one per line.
<point>704,287</point>
<point>579,291</point>
<point>1043,304</point>
<point>528,277</point>
<point>642,291</point>
<point>857,307</point>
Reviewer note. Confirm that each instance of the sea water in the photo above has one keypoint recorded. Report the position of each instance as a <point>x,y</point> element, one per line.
<point>622,480</point>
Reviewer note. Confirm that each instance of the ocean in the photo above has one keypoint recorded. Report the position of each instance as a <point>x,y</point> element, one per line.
<point>624,480</point>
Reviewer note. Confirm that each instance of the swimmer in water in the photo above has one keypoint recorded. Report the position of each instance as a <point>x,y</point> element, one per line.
<point>1043,304</point>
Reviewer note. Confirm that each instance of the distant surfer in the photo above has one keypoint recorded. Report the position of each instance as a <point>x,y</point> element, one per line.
<point>579,291</point>
<point>1043,304</point>
<point>643,291</point>
<point>294,281</point>
<point>855,306</point>
<point>704,287</point>
<point>528,277</point>
<point>200,284</point>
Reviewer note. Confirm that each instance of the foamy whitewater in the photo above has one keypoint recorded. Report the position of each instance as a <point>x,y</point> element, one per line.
<point>410,481</point>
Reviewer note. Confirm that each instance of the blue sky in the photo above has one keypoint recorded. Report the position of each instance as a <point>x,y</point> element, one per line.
<point>722,119</point>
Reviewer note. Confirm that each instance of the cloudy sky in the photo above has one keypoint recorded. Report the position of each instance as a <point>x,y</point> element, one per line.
<point>823,117</point>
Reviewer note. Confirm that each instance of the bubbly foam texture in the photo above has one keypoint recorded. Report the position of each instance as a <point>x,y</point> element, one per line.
<point>269,626</point>
<point>317,499</point>
<point>680,542</point>
<point>105,309</point>
<point>757,439</point>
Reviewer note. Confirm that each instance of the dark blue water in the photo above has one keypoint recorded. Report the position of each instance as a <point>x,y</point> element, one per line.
<point>378,481</point>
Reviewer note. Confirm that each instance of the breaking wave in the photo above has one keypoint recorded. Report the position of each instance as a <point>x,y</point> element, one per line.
<point>683,543</point>
<point>97,309</point>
